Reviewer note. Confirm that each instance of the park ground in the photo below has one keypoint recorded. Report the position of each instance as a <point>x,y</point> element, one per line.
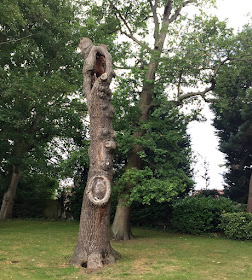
<point>40,249</point>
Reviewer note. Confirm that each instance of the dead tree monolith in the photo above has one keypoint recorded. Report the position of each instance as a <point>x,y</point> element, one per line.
<point>93,249</point>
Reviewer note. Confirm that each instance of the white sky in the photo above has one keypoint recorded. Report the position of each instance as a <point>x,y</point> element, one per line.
<point>204,141</point>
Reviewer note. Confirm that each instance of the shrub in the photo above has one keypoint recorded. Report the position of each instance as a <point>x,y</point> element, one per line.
<point>206,193</point>
<point>154,215</point>
<point>237,225</point>
<point>197,215</point>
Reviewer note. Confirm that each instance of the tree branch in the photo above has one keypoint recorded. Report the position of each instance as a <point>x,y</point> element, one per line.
<point>177,12</point>
<point>165,23</point>
<point>155,17</point>
<point>179,83</point>
<point>14,41</point>
<point>122,67</point>
<point>136,41</point>
<point>130,33</point>
<point>206,90</point>
<point>148,108</point>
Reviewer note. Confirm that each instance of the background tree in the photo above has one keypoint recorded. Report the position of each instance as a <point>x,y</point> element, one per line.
<point>163,52</point>
<point>233,110</point>
<point>34,192</point>
<point>39,71</point>
<point>205,175</point>
<point>76,167</point>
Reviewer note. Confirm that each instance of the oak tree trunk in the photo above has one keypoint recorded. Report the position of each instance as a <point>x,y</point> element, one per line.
<point>121,229</point>
<point>93,249</point>
<point>9,196</point>
<point>249,206</point>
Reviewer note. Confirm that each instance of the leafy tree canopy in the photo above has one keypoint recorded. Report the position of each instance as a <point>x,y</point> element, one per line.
<point>39,72</point>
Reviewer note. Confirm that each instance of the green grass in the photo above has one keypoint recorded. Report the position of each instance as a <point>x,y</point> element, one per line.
<point>34,250</point>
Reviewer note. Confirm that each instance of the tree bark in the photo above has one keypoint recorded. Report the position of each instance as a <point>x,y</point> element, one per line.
<point>9,196</point>
<point>121,229</point>
<point>249,206</point>
<point>93,249</point>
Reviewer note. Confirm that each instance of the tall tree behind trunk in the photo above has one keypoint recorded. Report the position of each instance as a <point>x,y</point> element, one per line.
<point>121,224</point>
<point>9,196</point>
<point>249,206</point>
<point>93,249</point>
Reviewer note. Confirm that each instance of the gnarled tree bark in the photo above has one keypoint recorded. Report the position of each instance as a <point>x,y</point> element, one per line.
<point>93,249</point>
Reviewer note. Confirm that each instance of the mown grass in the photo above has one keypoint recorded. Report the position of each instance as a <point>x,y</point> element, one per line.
<point>34,250</point>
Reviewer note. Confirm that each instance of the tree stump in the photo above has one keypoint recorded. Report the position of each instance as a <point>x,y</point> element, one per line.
<point>93,249</point>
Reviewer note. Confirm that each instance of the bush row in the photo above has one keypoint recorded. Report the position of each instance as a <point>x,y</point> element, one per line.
<point>197,215</point>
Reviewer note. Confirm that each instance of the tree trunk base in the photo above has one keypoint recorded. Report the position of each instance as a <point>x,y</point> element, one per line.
<point>93,250</point>
<point>121,226</point>
<point>94,260</point>
<point>9,196</point>
<point>125,235</point>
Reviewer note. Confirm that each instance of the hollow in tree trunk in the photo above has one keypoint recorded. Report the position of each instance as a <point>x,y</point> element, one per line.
<point>9,196</point>
<point>93,249</point>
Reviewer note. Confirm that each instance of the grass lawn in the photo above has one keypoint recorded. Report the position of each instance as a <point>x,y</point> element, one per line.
<point>34,250</point>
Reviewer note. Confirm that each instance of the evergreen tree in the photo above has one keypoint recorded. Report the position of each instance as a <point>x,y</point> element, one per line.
<point>233,110</point>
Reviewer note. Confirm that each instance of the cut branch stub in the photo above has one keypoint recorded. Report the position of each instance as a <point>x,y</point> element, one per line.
<point>99,190</point>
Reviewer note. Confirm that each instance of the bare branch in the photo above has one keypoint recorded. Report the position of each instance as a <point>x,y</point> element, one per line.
<point>14,41</point>
<point>177,12</point>
<point>136,41</point>
<point>130,33</point>
<point>197,93</point>
<point>123,67</point>
<point>167,11</point>
<point>243,59</point>
<point>206,90</point>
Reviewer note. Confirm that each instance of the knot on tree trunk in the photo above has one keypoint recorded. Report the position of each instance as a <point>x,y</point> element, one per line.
<point>98,190</point>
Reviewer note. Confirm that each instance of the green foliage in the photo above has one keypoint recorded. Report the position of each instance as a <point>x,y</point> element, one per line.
<point>33,192</point>
<point>237,225</point>
<point>40,118</point>
<point>197,215</point>
<point>28,208</point>
<point>233,109</point>
<point>206,193</point>
<point>37,186</point>
<point>155,215</point>
<point>166,156</point>
<point>75,166</point>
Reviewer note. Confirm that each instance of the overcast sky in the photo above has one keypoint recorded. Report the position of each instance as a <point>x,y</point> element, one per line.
<point>204,140</point>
